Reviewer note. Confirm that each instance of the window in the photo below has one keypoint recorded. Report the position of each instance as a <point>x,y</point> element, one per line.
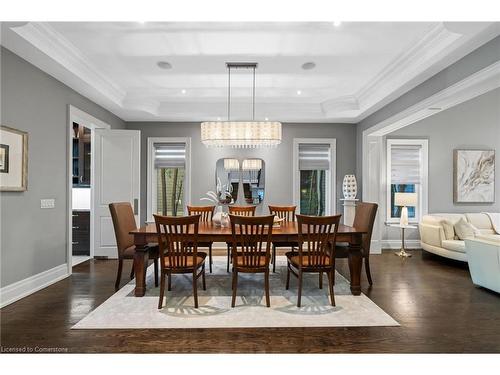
<point>314,164</point>
<point>168,176</point>
<point>407,173</point>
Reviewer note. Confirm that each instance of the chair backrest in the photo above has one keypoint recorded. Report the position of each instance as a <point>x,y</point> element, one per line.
<point>364,220</point>
<point>251,244</point>
<point>242,210</point>
<point>317,235</point>
<point>177,239</point>
<point>206,212</point>
<point>283,212</point>
<point>123,218</point>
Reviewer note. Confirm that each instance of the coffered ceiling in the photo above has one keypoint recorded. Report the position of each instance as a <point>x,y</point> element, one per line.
<point>358,67</point>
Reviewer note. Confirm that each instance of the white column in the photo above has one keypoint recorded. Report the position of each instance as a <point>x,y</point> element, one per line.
<point>349,211</point>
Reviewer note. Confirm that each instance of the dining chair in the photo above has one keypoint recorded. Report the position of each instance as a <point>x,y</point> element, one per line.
<point>287,213</point>
<point>251,248</point>
<point>178,248</point>
<point>364,219</point>
<point>123,219</point>
<point>206,214</point>
<point>316,236</point>
<point>240,211</point>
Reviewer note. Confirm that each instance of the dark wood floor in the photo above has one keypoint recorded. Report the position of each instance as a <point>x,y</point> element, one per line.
<point>432,298</point>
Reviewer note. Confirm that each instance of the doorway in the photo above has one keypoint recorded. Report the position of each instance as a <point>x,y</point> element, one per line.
<point>81,129</point>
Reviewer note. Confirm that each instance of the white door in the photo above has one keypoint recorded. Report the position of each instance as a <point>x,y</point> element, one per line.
<point>116,179</point>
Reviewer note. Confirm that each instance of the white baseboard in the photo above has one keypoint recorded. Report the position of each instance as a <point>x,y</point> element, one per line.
<point>20,289</point>
<point>375,247</point>
<point>396,244</point>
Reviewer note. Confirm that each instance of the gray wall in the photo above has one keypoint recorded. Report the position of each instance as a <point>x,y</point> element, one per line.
<point>34,240</point>
<point>278,160</point>
<point>474,124</point>
<point>478,59</point>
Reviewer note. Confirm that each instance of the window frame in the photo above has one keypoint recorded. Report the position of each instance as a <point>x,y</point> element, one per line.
<point>422,189</point>
<point>331,176</point>
<point>152,177</point>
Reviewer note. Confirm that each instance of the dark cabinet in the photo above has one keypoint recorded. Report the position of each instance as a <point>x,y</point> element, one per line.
<point>81,232</point>
<point>81,156</point>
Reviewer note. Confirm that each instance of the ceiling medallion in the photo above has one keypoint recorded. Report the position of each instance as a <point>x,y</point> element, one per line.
<point>245,134</point>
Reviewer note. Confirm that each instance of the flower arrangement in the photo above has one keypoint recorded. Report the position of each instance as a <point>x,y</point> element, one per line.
<point>222,195</point>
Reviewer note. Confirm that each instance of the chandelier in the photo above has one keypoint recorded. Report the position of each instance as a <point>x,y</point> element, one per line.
<point>245,134</point>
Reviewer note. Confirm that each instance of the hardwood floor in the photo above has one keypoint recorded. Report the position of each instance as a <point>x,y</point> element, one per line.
<point>433,299</point>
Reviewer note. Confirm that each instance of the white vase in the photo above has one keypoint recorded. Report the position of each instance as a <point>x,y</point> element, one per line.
<point>217,218</point>
<point>350,186</point>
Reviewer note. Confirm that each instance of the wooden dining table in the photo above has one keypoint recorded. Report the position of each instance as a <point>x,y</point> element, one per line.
<point>209,232</point>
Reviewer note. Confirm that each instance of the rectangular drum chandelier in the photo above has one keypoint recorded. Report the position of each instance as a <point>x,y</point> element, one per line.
<point>245,134</point>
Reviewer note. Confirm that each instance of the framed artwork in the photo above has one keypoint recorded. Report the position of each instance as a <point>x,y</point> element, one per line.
<point>13,159</point>
<point>474,176</point>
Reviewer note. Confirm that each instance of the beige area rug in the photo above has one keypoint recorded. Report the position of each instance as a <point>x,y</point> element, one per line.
<point>123,310</point>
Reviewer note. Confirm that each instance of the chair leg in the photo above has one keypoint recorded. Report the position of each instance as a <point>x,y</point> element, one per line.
<point>321,280</point>
<point>331,277</point>
<point>119,274</point>
<point>195,289</point>
<point>300,289</point>
<point>235,284</point>
<point>155,262</point>
<point>169,275</point>
<point>210,257</point>
<point>228,257</point>
<point>132,271</point>
<point>162,290</point>
<point>203,278</point>
<point>287,277</point>
<point>266,282</point>
<point>367,269</point>
<point>274,258</point>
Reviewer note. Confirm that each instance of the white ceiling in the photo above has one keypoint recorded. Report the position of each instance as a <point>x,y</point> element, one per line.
<point>359,66</point>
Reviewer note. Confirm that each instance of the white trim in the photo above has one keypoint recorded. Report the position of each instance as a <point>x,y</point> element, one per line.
<point>396,244</point>
<point>331,194</point>
<point>77,115</point>
<point>423,189</point>
<point>151,177</point>
<point>20,289</point>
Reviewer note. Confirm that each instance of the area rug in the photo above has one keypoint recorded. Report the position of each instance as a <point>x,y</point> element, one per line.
<point>124,311</point>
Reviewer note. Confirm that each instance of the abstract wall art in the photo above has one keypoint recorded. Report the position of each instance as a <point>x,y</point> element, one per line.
<point>13,159</point>
<point>474,176</point>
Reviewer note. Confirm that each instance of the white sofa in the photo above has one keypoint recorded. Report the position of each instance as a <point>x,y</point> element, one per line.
<point>484,262</point>
<point>437,233</point>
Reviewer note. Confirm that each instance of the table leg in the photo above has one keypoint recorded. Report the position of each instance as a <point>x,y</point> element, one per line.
<point>141,258</point>
<point>355,265</point>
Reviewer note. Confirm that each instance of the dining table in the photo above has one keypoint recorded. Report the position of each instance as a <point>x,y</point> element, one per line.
<point>147,235</point>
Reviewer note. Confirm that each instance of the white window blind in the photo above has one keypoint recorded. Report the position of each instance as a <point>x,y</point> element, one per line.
<point>170,155</point>
<point>406,164</point>
<point>314,156</point>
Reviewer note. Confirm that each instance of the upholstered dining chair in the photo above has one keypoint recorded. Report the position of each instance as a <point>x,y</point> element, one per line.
<point>240,211</point>
<point>319,234</point>
<point>364,218</point>
<point>123,218</point>
<point>206,214</point>
<point>178,248</point>
<point>287,213</point>
<point>251,248</point>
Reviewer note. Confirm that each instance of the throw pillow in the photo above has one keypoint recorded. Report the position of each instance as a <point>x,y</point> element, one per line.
<point>464,229</point>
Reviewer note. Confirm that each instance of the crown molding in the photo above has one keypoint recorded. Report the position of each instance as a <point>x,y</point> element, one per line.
<point>332,107</point>
<point>43,37</point>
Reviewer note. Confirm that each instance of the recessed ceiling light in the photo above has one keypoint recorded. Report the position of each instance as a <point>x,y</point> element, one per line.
<point>183,91</point>
<point>218,118</point>
<point>164,65</point>
<point>266,119</point>
<point>337,23</point>
<point>299,92</point>
<point>308,65</point>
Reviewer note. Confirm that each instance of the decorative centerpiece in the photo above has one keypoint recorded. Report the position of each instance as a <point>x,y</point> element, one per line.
<point>221,197</point>
<point>350,187</point>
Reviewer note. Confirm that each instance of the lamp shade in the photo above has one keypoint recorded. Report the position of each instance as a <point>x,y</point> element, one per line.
<point>405,199</point>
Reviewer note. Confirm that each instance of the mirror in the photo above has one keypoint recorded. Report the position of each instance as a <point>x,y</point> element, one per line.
<point>227,180</point>
<point>253,178</point>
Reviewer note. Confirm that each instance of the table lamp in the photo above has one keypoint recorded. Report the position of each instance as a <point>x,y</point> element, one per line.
<point>405,200</point>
